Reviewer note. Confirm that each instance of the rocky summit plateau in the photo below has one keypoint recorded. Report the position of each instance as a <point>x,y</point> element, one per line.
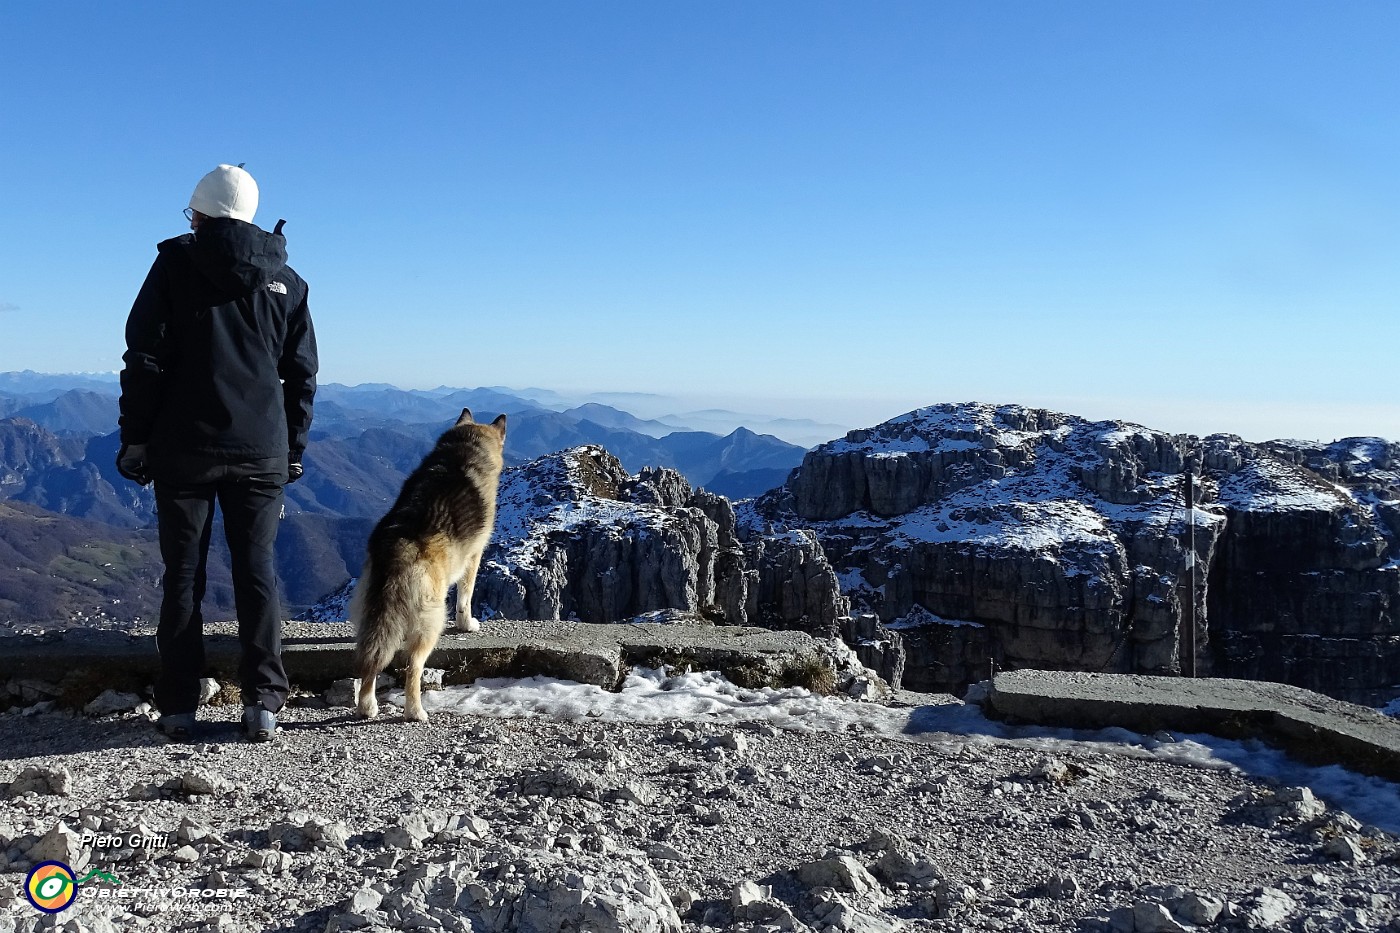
<point>679,802</point>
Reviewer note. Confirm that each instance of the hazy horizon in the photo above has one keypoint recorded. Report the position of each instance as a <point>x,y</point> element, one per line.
<point>1200,418</point>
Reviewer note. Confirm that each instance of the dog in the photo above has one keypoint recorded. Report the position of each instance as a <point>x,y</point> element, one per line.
<point>433,536</point>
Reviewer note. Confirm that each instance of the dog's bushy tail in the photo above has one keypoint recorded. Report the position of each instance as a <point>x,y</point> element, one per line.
<point>377,611</point>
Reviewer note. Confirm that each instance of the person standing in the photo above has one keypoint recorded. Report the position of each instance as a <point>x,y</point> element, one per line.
<point>216,399</point>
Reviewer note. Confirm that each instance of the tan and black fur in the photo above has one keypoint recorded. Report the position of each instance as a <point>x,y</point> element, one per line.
<point>432,537</point>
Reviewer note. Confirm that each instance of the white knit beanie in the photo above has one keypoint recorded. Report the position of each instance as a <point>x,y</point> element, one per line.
<point>228,191</point>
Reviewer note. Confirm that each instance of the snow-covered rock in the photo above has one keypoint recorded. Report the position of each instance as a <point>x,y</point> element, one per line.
<point>1028,538</point>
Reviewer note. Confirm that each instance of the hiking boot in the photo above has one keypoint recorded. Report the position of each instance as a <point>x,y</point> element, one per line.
<point>259,724</point>
<point>178,726</point>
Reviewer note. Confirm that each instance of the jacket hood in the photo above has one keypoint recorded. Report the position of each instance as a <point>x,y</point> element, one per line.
<point>236,256</point>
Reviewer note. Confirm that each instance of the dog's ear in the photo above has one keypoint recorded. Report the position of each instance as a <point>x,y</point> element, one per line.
<point>466,418</point>
<point>500,425</point>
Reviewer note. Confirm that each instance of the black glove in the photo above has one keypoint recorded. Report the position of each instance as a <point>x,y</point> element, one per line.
<point>131,463</point>
<point>294,469</point>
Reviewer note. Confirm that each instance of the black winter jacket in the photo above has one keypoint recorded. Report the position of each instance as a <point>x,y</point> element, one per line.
<point>221,355</point>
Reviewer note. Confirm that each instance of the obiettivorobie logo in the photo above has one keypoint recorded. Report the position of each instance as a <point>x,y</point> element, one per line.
<point>52,886</point>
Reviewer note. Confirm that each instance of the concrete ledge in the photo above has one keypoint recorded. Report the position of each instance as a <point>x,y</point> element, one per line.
<point>1309,725</point>
<point>86,661</point>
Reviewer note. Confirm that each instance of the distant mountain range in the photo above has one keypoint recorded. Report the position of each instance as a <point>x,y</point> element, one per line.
<point>58,444</point>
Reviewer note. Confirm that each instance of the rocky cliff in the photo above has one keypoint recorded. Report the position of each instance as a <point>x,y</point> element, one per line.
<point>1018,537</point>
<point>1305,588</point>
<point>577,537</point>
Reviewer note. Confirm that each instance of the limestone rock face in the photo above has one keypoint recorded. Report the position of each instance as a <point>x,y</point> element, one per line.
<point>577,537</point>
<point>1007,536</point>
<point>1305,588</point>
<point>982,535</point>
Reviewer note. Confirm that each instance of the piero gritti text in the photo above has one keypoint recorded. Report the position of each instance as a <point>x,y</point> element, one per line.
<point>135,840</point>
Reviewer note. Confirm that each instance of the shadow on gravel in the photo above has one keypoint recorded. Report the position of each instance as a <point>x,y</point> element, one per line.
<point>48,736</point>
<point>43,738</point>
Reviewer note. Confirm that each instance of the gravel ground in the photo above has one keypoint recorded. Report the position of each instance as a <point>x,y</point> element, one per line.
<point>544,824</point>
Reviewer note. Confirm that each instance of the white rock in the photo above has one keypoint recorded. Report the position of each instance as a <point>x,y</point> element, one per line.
<point>842,917</point>
<point>865,687</point>
<point>754,902</point>
<point>1268,909</point>
<point>56,782</point>
<point>1301,804</point>
<point>634,792</point>
<point>201,781</point>
<point>328,834</point>
<point>841,873</point>
<point>60,844</point>
<point>365,900</point>
<point>1344,848</point>
<point>208,689</point>
<point>112,701</point>
<point>409,833</point>
<point>950,896</point>
<point>978,693</point>
<point>342,693</point>
<point>1062,887</point>
<point>749,892</point>
<point>291,834</point>
<point>186,854</point>
<point>896,867</point>
<point>613,896</point>
<point>1053,771</point>
<point>684,898</point>
<point>1198,909</point>
<point>734,742</point>
<point>191,831</point>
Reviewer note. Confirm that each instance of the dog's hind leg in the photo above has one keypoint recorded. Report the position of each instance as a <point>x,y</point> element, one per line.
<point>420,646</point>
<point>466,622</point>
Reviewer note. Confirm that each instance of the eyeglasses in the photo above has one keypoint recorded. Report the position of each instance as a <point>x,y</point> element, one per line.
<point>189,213</point>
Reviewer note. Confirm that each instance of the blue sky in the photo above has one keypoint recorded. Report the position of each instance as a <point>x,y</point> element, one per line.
<point>1182,214</point>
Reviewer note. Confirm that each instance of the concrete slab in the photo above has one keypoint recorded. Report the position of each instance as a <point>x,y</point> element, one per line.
<point>87,661</point>
<point>1309,725</point>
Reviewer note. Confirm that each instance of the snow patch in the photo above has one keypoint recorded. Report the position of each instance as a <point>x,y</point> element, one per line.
<point>1267,485</point>
<point>919,617</point>
<point>1029,526</point>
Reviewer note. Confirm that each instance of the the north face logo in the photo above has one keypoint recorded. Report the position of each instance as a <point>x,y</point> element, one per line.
<point>277,288</point>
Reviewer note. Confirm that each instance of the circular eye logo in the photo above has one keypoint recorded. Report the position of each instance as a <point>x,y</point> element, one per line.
<point>51,886</point>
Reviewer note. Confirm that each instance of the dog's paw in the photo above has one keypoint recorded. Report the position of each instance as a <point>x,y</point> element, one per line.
<point>369,710</point>
<point>468,624</point>
<point>416,715</point>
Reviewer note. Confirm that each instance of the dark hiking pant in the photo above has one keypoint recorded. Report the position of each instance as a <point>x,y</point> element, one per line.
<point>249,494</point>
